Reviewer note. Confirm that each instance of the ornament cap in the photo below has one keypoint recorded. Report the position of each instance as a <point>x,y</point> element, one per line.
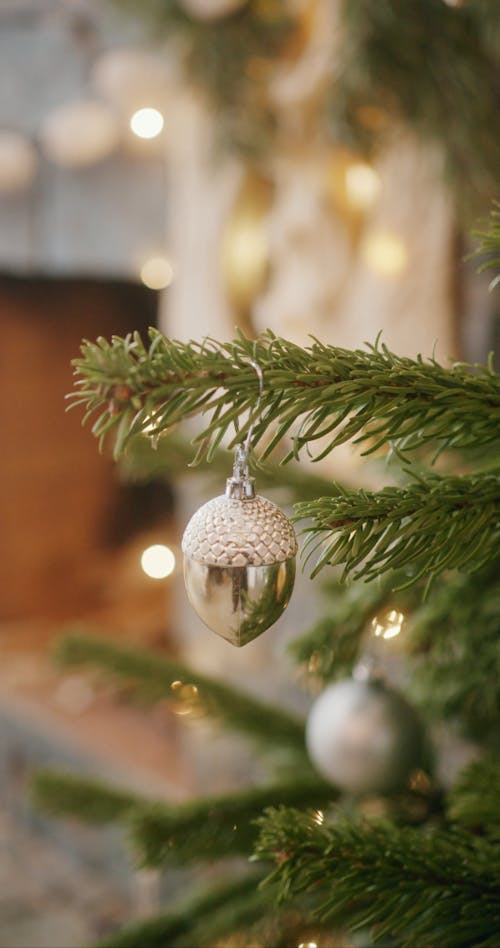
<point>240,488</point>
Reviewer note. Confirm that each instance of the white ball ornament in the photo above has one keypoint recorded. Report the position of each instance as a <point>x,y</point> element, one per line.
<point>364,737</point>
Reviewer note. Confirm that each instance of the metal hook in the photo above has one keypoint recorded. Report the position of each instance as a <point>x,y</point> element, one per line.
<point>260,376</point>
<point>240,480</point>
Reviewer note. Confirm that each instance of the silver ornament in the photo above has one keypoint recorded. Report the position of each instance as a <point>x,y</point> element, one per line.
<point>239,560</point>
<point>364,737</point>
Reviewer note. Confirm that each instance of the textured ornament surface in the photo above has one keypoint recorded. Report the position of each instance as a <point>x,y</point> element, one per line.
<point>230,532</point>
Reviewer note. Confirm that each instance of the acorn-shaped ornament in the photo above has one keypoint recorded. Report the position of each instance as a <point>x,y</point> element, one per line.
<point>239,560</point>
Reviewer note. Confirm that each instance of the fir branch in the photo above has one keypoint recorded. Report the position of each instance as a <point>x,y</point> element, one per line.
<point>434,524</point>
<point>178,834</point>
<point>153,674</point>
<point>436,888</point>
<point>215,911</point>
<point>90,800</point>
<point>217,827</point>
<point>337,395</point>
<point>489,244</point>
<point>380,79</point>
<point>474,799</point>
<point>452,639</point>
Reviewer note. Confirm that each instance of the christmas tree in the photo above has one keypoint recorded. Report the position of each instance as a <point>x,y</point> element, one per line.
<point>356,835</point>
<point>422,866</point>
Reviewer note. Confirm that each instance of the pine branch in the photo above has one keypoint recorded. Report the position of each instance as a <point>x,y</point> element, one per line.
<point>337,395</point>
<point>474,800</point>
<point>418,888</point>
<point>208,911</point>
<point>452,639</point>
<point>217,827</point>
<point>178,834</point>
<point>434,524</point>
<point>489,244</point>
<point>153,675</point>
<point>379,80</point>
<point>89,800</point>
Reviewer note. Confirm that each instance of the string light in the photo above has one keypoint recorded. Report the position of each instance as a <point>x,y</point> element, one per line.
<point>158,561</point>
<point>389,625</point>
<point>157,273</point>
<point>319,817</point>
<point>147,123</point>
<point>188,699</point>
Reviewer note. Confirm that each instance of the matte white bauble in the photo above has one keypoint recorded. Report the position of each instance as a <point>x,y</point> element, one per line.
<point>130,78</point>
<point>80,134</point>
<point>364,737</point>
<point>18,162</point>
<point>211,9</point>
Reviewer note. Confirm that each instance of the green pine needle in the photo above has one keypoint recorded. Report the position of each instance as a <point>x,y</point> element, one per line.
<point>404,884</point>
<point>318,393</point>
<point>434,524</point>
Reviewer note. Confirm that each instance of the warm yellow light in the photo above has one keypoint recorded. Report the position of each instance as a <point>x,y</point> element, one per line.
<point>308,944</point>
<point>146,123</point>
<point>158,561</point>
<point>385,254</point>
<point>362,185</point>
<point>389,626</point>
<point>157,273</point>
<point>319,817</point>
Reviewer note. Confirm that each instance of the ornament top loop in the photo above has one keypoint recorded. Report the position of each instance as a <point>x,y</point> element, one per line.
<point>246,447</point>
<point>241,485</point>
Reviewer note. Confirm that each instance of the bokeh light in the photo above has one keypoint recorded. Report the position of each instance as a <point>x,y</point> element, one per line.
<point>158,561</point>
<point>147,123</point>
<point>157,273</point>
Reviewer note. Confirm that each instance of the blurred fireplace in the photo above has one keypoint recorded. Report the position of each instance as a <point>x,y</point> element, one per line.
<point>56,492</point>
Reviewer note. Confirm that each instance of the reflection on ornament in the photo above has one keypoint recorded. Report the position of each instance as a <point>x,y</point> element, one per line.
<point>18,162</point>
<point>239,561</point>
<point>158,561</point>
<point>385,254</point>
<point>389,625</point>
<point>157,273</point>
<point>364,737</point>
<point>147,123</point>
<point>80,134</point>
<point>244,253</point>
<point>362,185</point>
<point>131,78</point>
<point>211,9</point>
